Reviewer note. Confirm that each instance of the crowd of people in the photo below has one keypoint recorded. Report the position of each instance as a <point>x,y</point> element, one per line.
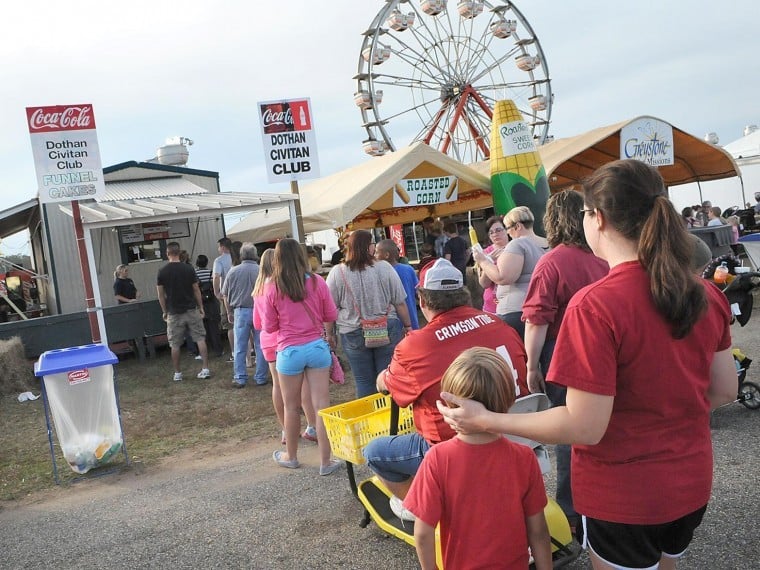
<point>605,314</point>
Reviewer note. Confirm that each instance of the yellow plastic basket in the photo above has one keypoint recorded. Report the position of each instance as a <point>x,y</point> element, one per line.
<point>352,425</point>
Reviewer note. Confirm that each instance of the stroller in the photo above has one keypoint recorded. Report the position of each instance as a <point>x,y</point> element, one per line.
<point>739,294</point>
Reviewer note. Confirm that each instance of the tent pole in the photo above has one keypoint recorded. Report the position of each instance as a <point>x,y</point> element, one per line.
<point>298,226</point>
<point>416,245</point>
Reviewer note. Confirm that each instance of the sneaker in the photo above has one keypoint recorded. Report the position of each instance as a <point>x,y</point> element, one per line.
<point>231,359</point>
<point>310,433</point>
<point>398,509</point>
<point>236,384</point>
<point>204,373</point>
<point>178,376</point>
<point>198,357</point>
<point>331,467</point>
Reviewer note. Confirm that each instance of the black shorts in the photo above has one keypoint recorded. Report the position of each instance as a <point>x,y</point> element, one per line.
<point>630,546</point>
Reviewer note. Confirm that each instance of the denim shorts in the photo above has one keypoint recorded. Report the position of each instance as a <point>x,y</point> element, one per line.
<point>293,360</point>
<point>396,458</point>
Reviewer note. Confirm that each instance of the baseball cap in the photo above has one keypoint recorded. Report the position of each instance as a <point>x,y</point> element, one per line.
<point>440,275</point>
<point>701,254</point>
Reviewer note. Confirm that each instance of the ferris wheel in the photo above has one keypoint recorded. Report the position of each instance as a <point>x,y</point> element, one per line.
<point>433,72</point>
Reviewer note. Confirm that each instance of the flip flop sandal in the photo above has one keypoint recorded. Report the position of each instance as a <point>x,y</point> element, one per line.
<point>288,464</point>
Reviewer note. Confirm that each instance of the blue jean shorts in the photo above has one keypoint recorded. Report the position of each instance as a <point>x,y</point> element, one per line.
<point>293,360</point>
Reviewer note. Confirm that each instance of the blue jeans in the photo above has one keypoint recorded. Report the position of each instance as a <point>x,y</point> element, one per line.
<point>366,363</point>
<point>243,327</point>
<point>395,458</point>
<point>514,320</point>
<point>261,374</point>
<point>557,394</point>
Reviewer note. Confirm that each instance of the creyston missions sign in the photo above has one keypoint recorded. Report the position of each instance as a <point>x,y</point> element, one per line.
<point>290,143</point>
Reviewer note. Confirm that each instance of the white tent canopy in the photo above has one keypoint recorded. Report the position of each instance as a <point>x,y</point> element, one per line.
<point>363,196</point>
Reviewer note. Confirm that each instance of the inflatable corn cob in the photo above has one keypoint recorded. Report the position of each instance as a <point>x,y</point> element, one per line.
<point>518,177</point>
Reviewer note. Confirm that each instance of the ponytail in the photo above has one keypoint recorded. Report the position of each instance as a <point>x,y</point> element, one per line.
<point>665,254</point>
<point>633,198</point>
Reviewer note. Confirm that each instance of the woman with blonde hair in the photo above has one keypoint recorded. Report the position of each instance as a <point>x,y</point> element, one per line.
<point>269,350</point>
<point>297,305</point>
<point>124,289</point>
<point>511,271</point>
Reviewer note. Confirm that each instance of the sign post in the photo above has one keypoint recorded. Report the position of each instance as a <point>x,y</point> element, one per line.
<point>290,146</point>
<point>67,162</point>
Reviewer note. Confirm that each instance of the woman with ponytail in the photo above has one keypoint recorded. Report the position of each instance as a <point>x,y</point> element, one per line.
<point>645,354</point>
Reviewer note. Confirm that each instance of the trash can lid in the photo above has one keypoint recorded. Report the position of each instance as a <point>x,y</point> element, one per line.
<point>73,358</point>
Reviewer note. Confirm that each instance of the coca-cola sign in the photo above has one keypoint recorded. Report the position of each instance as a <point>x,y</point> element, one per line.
<point>277,118</point>
<point>290,144</point>
<point>60,118</point>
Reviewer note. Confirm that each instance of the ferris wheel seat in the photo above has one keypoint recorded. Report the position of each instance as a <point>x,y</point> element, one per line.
<point>400,22</point>
<point>537,102</point>
<point>503,28</point>
<point>378,56</point>
<point>363,99</point>
<point>374,147</point>
<point>527,62</point>
<point>433,7</point>
<point>469,8</point>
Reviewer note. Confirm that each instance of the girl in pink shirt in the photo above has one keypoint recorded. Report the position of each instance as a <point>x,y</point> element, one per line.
<point>269,348</point>
<point>297,304</point>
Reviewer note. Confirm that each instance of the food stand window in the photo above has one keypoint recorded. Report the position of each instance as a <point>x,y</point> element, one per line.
<point>147,242</point>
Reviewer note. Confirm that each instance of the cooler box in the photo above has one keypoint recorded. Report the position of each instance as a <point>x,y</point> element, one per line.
<point>79,389</point>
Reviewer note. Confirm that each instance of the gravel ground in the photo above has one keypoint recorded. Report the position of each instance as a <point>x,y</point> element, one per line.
<point>233,508</point>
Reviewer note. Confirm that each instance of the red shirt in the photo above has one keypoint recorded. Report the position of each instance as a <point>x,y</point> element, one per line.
<point>654,463</point>
<point>420,359</point>
<point>559,275</point>
<point>481,494</point>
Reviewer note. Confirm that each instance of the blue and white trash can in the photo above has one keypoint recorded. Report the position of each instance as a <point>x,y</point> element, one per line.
<point>78,390</point>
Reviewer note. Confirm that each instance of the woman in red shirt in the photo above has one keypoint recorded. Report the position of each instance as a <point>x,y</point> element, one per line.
<point>645,354</point>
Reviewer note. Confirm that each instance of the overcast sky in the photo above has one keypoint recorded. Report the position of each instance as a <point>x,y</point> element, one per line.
<point>196,69</point>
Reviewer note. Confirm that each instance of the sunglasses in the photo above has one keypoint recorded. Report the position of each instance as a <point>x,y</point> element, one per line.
<point>496,230</point>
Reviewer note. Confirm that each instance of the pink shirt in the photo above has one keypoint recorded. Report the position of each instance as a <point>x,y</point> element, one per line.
<point>292,321</point>
<point>268,341</point>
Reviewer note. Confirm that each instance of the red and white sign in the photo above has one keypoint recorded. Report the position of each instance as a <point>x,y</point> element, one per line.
<point>397,235</point>
<point>66,153</point>
<point>290,143</point>
<point>78,376</point>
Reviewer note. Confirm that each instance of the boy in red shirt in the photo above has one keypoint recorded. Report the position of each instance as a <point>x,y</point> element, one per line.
<point>486,491</point>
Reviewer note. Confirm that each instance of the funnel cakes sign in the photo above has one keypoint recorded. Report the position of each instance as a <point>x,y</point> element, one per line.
<point>647,140</point>
<point>66,153</point>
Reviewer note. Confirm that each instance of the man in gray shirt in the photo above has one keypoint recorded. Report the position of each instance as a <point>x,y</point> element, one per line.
<point>236,289</point>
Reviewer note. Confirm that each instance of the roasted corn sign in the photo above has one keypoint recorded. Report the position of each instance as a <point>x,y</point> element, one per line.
<point>425,191</point>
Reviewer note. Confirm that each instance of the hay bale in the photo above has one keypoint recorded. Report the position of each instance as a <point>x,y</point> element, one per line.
<point>17,373</point>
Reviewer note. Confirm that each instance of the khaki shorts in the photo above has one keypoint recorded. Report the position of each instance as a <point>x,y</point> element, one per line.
<point>177,324</point>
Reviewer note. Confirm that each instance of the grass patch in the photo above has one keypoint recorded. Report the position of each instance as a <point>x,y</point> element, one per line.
<point>160,418</point>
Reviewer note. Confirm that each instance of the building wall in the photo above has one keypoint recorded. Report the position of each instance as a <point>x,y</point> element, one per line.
<point>204,233</point>
<point>65,288</point>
